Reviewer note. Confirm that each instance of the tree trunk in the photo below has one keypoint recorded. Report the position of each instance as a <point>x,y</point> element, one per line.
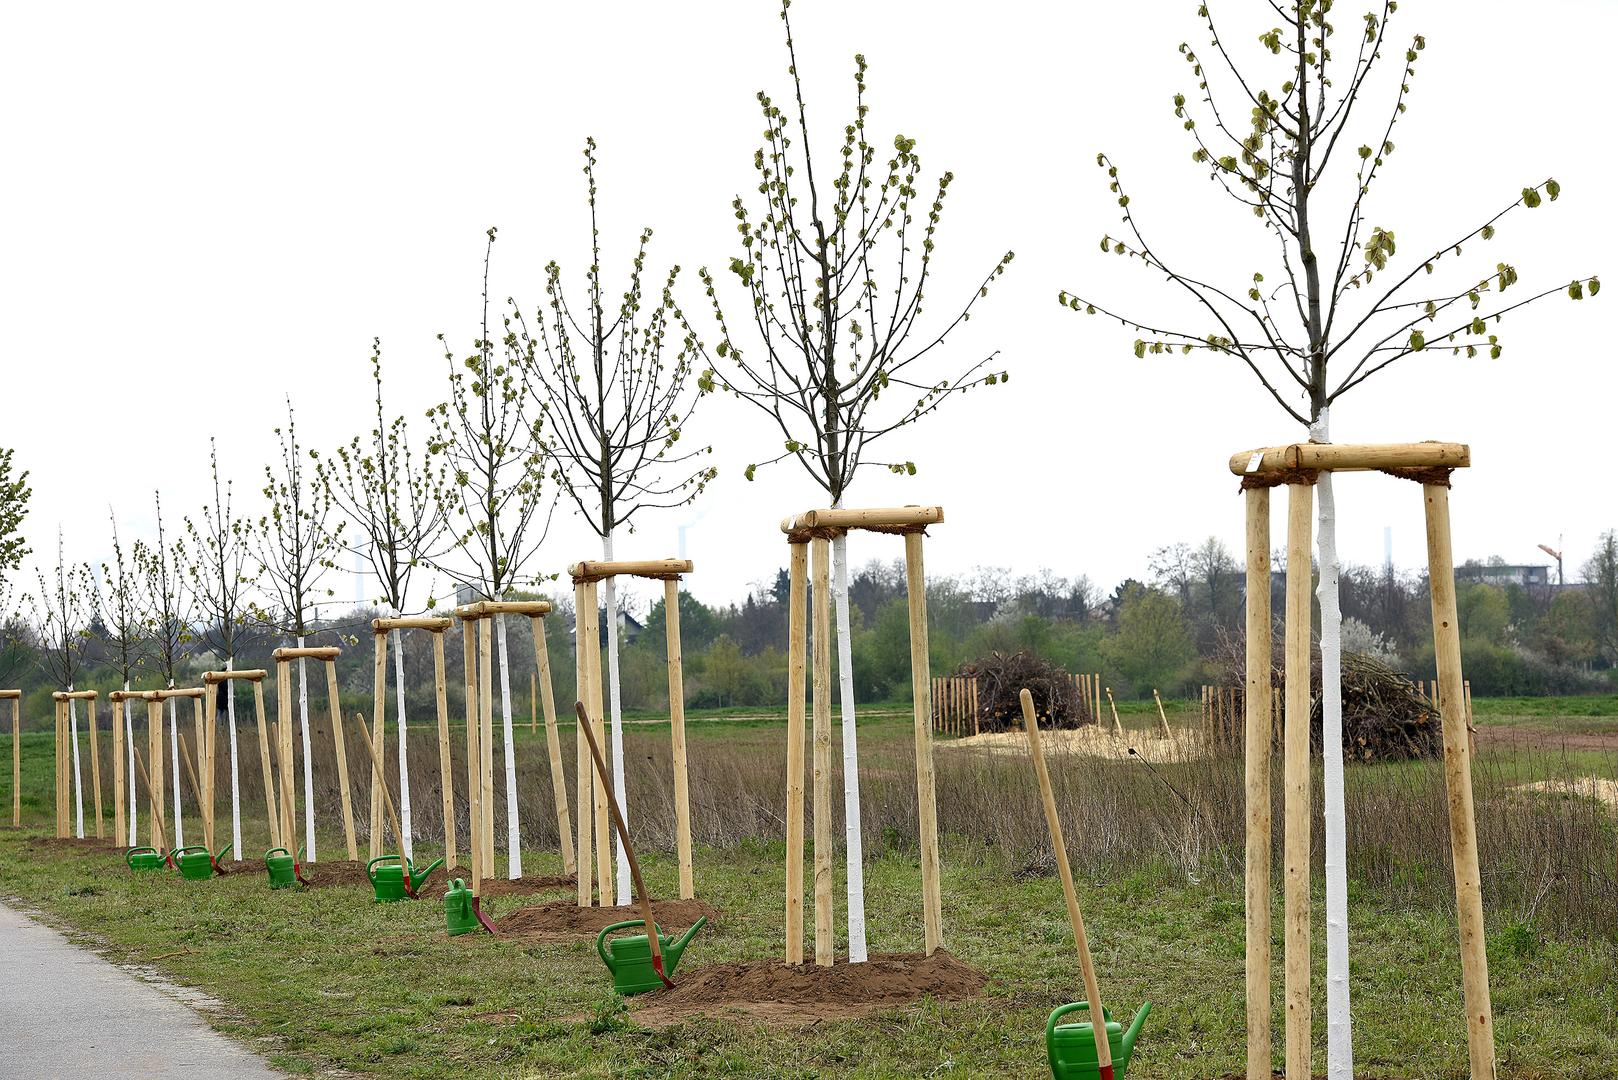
<point>405,841</point>
<point>235,782</point>
<point>509,749</point>
<point>1339,1030</point>
<point>174,761</point>
<point>129,739</point>
<point>308,766</point>
<point>610,598</point>
<point>851,753</point>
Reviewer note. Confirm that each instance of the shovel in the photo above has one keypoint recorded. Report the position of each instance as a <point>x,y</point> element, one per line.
<point>629,851</point>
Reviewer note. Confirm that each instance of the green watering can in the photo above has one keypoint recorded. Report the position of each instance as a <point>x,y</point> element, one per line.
<point>459,915</point>
<point>145,858</point>
<point>1072,1047</point>
<point>630,958</point>
<point>396,879</point>
<point>197,863</point>
<point>282,868</point>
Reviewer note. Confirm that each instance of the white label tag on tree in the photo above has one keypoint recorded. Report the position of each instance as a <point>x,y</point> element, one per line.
<point>1253,462</point>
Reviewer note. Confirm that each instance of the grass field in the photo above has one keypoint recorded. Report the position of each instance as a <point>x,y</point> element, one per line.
<point>325,980</point>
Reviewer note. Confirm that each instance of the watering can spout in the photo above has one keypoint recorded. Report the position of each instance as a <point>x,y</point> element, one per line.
<point>1134,1030</point>
<point>421,875</point>
<point>674,949</point>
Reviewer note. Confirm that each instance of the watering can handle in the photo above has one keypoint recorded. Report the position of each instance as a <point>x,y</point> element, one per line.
<point>129,856</point>
<point>371,876</point>
<point>1050,1025</point>
<point>273,850</point>
<point>192,847</point>
<point>601,938</point>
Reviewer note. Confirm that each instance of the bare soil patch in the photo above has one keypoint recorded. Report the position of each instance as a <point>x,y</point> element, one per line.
<point>1588,787</point>
<point>774,993</point>
<point>564,920</point>
<point>1521,738</point>
<point>1088,741</point>
<point>523,886</point>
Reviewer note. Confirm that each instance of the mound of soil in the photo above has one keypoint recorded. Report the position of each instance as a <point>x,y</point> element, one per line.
<point>773,992</point>
<point>564,920</point>
<point>523,886</point>
<point>334,874</point>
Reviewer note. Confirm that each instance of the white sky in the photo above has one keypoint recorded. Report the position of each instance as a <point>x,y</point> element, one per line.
<point>207,207</point>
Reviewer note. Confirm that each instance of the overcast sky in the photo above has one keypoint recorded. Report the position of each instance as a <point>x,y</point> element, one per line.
<point>209,207</point>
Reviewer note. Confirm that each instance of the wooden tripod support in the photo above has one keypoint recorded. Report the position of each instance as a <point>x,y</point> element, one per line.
<point>811,533</point>
<point>1295,466</point>
<point>286,757</point>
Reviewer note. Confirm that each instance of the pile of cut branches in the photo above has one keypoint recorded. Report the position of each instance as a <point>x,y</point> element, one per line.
<point>1002,676</point>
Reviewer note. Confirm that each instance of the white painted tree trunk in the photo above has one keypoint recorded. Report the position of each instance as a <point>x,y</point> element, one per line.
<point>513,824</point>
<point>610,597</point>
<point>235,780</point>
<point>129,741</point>
<point>174,759</point>
<point>404,753</point>
<point>1339,1029</point>
<point>78,782</point>
<point>851,755</point>
<point>308,768</point>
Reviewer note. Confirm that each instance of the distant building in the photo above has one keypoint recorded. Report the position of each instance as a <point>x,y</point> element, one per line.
<point>1527,575</point>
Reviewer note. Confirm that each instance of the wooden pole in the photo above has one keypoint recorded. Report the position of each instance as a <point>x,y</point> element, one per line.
<point>1095,688</point>
<point>1117,726</point>
<point>533,704</point>
<point>199,780</point>
<point>975,720</point>
<point>264,763</point>
<point>379,781</point>
<point>95,764</point>
<point>16,763</point>
<point>340,748</point>
<point>825,934</point>
<point>283,760</point>
<point>584,622</point>
<point>486,741</point>
<point>926,790</point>
<point>446,772</point>
<point>553,741</point>
<point>797,581</point>
<point>605,865</point>
<point>1162,718</point>
<point>1092,991</point>
<point>1458,783</point>
<point>474,754</point>
<point>1256,736</point>
<point>61,772</point>
<point>1300,500</point>
<point>154,783</point>
<point>682,783</point>
<point>159,827</point>
<point>379,702</point>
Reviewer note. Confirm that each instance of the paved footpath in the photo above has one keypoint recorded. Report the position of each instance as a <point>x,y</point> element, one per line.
<point>69,1013</point>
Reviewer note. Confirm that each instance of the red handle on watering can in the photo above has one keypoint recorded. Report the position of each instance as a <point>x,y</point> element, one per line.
<point>477,909</point>
<point>215,858</point>
<point>297,868</point>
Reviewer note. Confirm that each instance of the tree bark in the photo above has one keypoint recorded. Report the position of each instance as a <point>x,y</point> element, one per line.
<point>405,841</point>
<point>78,780</point>
<point>509,749</point>
<point>851,755</point>
<point>610,598</point>
<point>308,766</point>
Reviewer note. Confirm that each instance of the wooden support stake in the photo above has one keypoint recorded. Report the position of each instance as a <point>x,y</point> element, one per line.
<point>60,708</point>
<point>797,616</point>
<point>201,779</point>
<point>825,935</point>
<point>1162,718</point>
<point>159,826</point>
<point>682,783</point>
<point>1257,735</point>
<point>1458,783</point>
<point>605,866</point>
<point>270,815</point>
<point>283,756</point>
<point>95,764</point>
<point>553,741</point>
<point>533,704</point>
<point>154,784</point>
<point>926,791</point>
<point>446,772</point>
<point>474,754</point>
<point>16,762</point>
<point>380,781</point>
<point>1295,764</point>
<point>379,717</point>
<point>1117,726</point>
<point>1092,991</point>
<point>584,624</point>
<point>975,720</point>
<point>341,750</point>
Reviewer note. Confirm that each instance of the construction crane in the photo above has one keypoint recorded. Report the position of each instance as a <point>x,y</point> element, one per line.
<point>1557,555</point>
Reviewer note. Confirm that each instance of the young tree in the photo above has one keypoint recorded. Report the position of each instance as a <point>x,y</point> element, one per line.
<point>1305,172</point>
<point>395,497</point>
<point>618,394</point>
<point>835,263</point>
<point>60,617</point>
<point>121,608</point>
<point>216,571</point>
<point>163,568</point>
<point>1601,585</point>
<point>293,546</point>
<point>14,494</point>
<point>499,517</point>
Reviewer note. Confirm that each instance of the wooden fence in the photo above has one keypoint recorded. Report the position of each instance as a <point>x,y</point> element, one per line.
<point>1223,708</point>
<point>955,705</point>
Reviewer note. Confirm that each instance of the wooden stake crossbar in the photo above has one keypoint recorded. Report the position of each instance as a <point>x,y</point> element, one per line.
<point>1428,463</point>
<point>811,532</point>
<point>586,572</point>
<point>285,755</point>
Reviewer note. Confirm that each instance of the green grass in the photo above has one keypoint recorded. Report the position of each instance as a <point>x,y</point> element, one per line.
<point>326,980</point>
